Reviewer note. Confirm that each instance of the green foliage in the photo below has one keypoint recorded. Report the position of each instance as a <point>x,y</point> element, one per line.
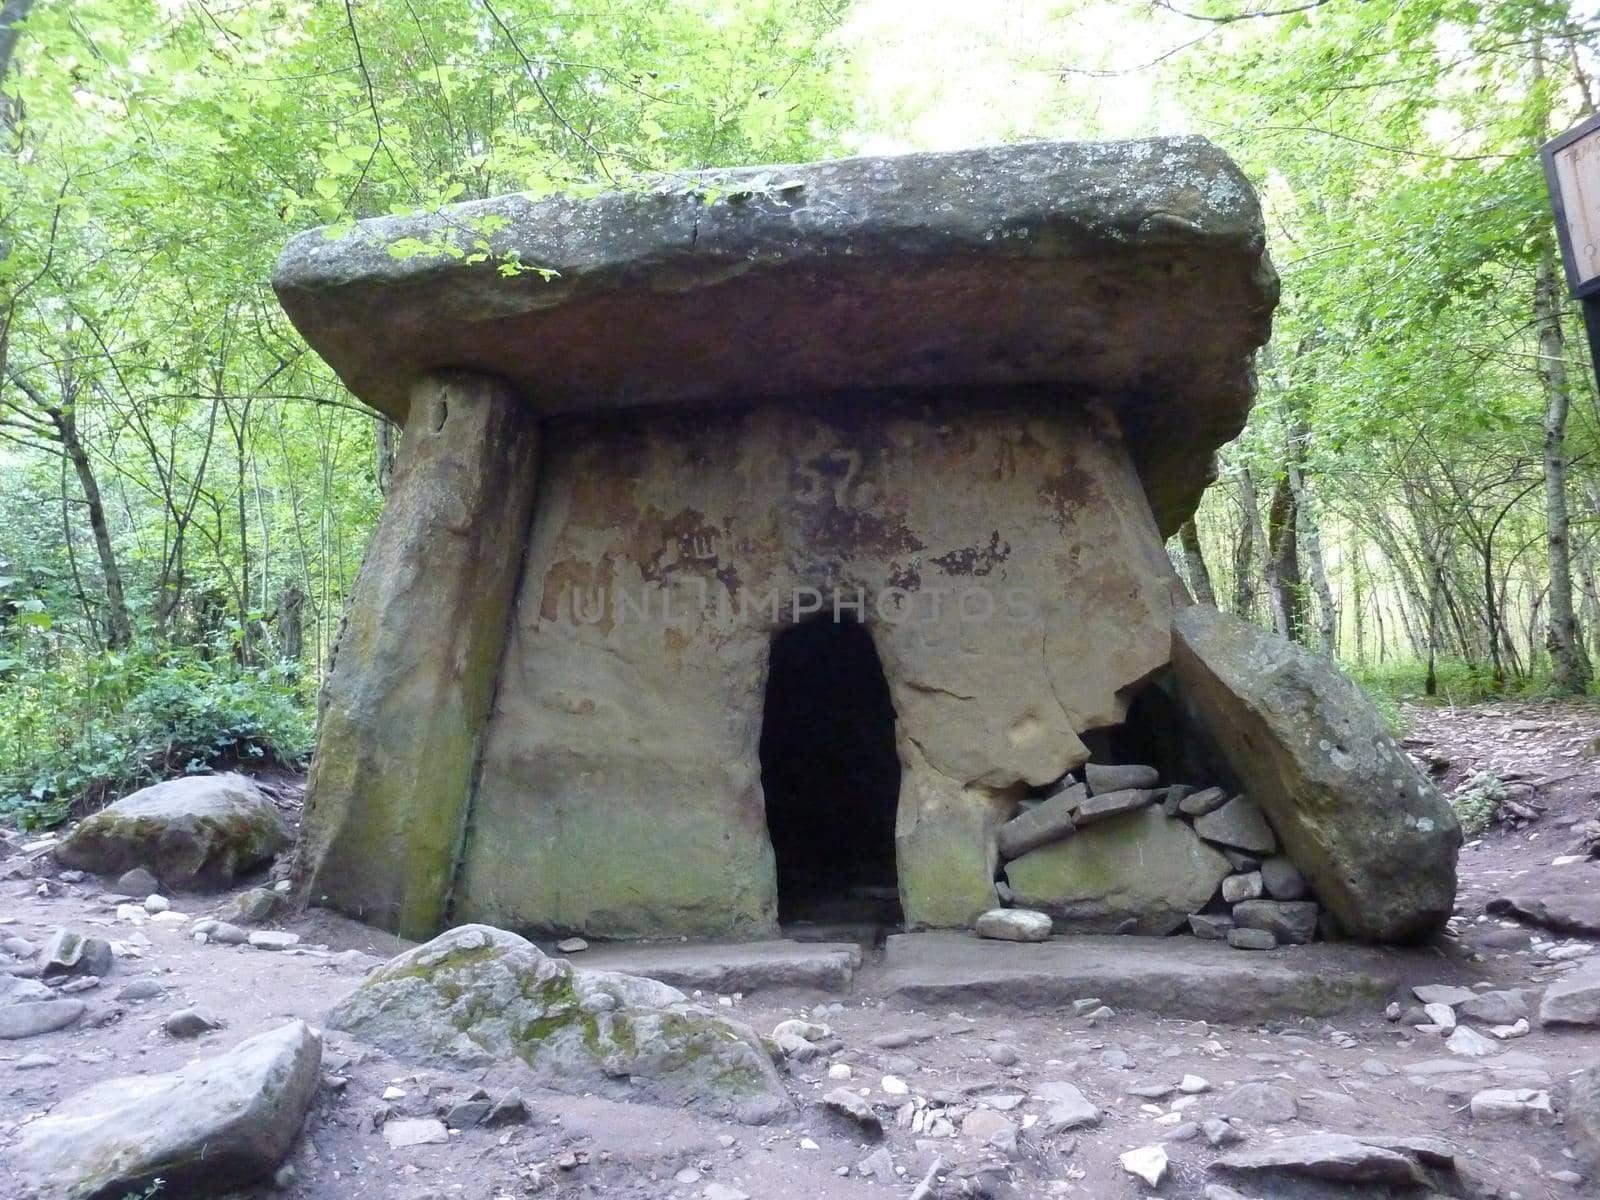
<point>73,737</point>
<point>1478,803</point>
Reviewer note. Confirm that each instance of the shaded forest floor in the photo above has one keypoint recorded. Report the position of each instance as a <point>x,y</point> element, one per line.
<point>982,1070</point>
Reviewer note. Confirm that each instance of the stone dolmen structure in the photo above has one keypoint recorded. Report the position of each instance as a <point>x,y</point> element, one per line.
<point>797,533</point>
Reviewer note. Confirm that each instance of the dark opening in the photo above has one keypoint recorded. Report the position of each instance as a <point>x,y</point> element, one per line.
<point>831,775</point>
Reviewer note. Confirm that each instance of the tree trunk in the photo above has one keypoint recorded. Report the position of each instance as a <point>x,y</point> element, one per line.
<point>1283,563</point>
<point>291,622</point>
<point>119,628</point>
<point>1569,663</point>
<point>1195,563</point>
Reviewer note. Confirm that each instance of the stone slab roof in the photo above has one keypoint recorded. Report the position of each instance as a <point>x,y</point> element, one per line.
<point>1131,271</point>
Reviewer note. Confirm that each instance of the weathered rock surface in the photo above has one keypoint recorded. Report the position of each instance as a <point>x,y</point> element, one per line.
<point>1239,825</point>
<point>1342,1159</point>
<point>1177,977</point>
<point>1102,877</point>
<point>1565,899</point>
<point>1374,840</point>
<point>478,996</point>
<point>212,1127</point>
<point>199,832</point>
<point>1290,921</point>
<point>1059,262</point>
<point>1582,1112</point>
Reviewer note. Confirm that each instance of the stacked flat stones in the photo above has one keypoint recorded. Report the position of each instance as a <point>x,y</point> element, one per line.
<point>1114,851</point>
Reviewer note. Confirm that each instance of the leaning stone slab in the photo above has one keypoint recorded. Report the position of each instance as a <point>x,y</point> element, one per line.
<point>1374,840</point>
<point>477,996</point>
<point>1101,879</point>
<point>210,1128</point>
<point>200,832</point>
<point>404,704</point>
<point>1049,821</point>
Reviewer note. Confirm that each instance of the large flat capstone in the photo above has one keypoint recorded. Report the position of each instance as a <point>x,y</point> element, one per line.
<point>1173,977</point>
<point>1131,270</point>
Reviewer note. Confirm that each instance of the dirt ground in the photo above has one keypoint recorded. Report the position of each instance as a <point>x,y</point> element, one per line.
<point>1347,1074</point>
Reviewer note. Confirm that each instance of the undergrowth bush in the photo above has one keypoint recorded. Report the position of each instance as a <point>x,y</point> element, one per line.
<point>1477,804</point>
<point>77,733</point>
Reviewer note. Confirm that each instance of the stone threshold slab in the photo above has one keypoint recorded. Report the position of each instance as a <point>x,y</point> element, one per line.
<point>731,966</point>
<point>1172,977</point>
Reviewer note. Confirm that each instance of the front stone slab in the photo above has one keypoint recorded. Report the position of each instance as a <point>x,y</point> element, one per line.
<point>620,792</point>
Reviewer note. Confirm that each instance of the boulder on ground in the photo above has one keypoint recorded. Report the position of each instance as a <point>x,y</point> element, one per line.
<point>210,1128</point>
<point>251,907</point>
<point>1574,999</point>
<point>477,996</point>
<point>1372,837</point>
<point>1013,925</point>
<point>29,1018</point>
<point>69,953</point>
<point>1100,879</point>
<point>199,832</point>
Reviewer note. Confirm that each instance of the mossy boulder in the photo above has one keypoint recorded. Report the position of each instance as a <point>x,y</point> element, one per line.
<point>1144,867</point>
<point>197,833</point>
<point>477,996</point>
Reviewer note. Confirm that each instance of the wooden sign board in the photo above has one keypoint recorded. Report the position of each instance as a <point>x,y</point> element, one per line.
<point>1572,171</point>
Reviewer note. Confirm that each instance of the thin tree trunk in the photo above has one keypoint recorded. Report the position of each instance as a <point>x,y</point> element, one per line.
<point>1569,663</point>
<point>1194,562</point>
<point>1283,563</point>
<point>1311,542</point>
<point>1252,544</point>
<point>119,628</point>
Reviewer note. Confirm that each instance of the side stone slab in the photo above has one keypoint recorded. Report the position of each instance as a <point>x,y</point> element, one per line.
<point>1374,839</point>
<point>405,705</point>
